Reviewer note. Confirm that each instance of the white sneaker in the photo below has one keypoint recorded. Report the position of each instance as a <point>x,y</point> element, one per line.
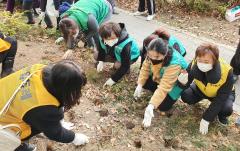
<point>137,13</point>
<point>150,17</point>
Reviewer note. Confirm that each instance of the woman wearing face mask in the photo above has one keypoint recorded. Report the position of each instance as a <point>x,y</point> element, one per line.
<point>159,74</point>
<point>118,47</point>
<point>37,106</point>
<point>213,80</point>
<point>171,40</point>
<point>81,22</point>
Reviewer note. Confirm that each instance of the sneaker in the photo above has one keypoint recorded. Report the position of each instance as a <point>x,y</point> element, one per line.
<point>26,147</point>
<point>137,13</point>
<point>150,17</point>
<point>223,121</point>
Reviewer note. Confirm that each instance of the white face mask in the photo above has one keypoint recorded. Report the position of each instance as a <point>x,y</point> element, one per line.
<point>204,67</point>
<point>111,42</point>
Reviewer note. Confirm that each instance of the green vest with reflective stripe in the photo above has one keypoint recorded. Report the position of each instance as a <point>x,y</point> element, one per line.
<point>172,40</point>
<point>135,52</point>
<point>79,12</point>
<point>177,59</point>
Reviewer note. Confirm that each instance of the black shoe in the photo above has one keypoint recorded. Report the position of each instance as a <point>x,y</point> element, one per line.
<point>223,120</point>
<point>6,73</point>
<point>26,147</point>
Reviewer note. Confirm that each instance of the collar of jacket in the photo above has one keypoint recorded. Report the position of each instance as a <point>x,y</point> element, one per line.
<point>212,76</point>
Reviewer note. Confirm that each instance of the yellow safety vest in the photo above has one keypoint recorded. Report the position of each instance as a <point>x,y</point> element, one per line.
<point>211,89</point>
<point>32,95</point>
<point>4,45</point>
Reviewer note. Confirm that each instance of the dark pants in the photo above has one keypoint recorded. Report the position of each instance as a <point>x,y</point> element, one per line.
<point>150,6</point>
<point>7,57</point>
<point>10,5</point>
<point>192,95</point>
<point>167,103</point>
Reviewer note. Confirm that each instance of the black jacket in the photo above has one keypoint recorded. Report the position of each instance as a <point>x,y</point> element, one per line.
<point>46,120</point>
<point>213,76</point>
<point>125,55</point>
<point>235,62</point>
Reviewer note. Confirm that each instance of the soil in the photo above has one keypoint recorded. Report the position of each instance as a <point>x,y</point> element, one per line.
<point>112,118</point>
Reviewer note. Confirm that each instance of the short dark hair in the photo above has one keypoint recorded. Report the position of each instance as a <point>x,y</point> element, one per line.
<point>161,47</point>
<point>105,30</point>
<point>147,40</point>
<point>162,33</point>
<point>208,48</point>
<point>64,80</point>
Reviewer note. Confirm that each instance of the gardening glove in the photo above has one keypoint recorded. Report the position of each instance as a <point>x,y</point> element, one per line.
<point>80,139</point>
<point>67,125</point>
<point>100,66</point>
<point>138,91</point>
<point>59,40</point>
<point>41,15</point>
<point>109,82</point>
<point>204,127</point>
<point>68,54</point>
<point>80,44</point>
<point>148,115</point>
<point>183,78</point>
<point>56,13</point>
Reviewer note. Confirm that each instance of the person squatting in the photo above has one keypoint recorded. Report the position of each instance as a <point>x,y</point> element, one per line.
<point>51,90</point>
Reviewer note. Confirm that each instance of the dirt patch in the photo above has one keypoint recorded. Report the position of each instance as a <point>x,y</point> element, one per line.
<point>121,129</point>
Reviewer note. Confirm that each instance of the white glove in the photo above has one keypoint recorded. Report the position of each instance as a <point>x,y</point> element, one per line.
<point>60,39</point>
<point>68,54</point>
<point>41,15</point>
<point>109,82</point>
<point>148,115</point>
<point>183,78</point>
<point>67,125</point>
<point>203,127</point>
<point>56,13</point>
<point>80,44</point>
<point>80,139</point>
<point>100,66</point>
<point>138,91</point>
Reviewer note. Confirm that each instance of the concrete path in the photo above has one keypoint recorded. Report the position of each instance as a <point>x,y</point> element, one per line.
<point>139,28</point>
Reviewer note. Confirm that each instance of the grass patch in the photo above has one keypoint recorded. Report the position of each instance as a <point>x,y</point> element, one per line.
<point>199,143</point>
<point>230,147</point>
<point>14,25</point>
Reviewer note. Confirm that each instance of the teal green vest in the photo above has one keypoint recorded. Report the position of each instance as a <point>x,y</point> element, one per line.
<point>135,52</point>
<point>80,11</point>
<point>172,40</point>
<point>177,59</point>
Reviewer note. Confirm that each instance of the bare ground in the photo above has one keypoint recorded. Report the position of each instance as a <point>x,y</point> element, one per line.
<point>112,118</point>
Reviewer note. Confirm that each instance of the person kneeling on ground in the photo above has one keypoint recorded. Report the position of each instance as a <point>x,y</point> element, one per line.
<point>118,47</point>
<point>80,23</point>
<point>8,50</point>
<point>37,107</point>
<point>171,40</point>
<point>159,74</point>
<point>213,80</point>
